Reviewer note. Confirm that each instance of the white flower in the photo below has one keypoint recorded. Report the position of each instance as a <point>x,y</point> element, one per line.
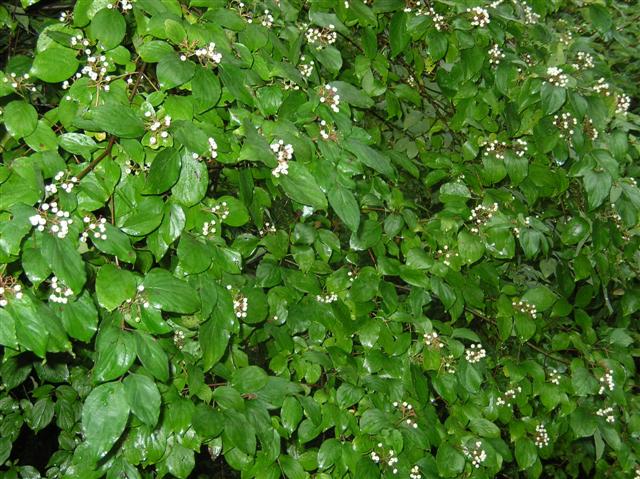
<point>432,340</point>
<point>479,16</point>
<point>477,454</point>
<point>606,413</point>
<point>495,54</point>
<point>584,61</point>
<point>623,103</point>
<point>321,37</point>
<point>541,438</point>
<point>327,298</point>
<point>284,153</point>
<point>556,77</point>
<point>240,306</point>
<point>607,382</point>
<point>530,17</point>
<point>602,87</point>
<point>475,353</point>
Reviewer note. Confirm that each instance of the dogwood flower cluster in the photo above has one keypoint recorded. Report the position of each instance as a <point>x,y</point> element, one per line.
<point>306,68</point>
<point>329,96</point>
<point>9,287</point>
<point>590,129</point>
<point>475,353</point>
<point>283,154</point>
<point>530,17</point>
<point>268,228</point>
<point>60,293</point>
<point>520,147</point>
<point>213,148</point>
<point>495,54</point>
<point>446,254</point>
<point>138,301</point>
<point>207,56</point>
<point>606,413</point>
<point>554,377</point>
<point>240,305</point>
<point>556,77</point>
<point>49,214</point>
<point>584,61</point>
<point>541,439</point>
<point>449,364</point>
<point>209,228</point>
<point>124,5</point>
<point>94,229</point>
<point>131,167</point>
<point>495,147</point>
<point>476,454</point>
<point>408,413</point>
<point>439,21</point>
<point>602,87</point>
<point>479,16</point>
<point>566,123</point>
<point>222,210</point>
<point>20,82</point>
<point>96,68</point>
<point>157,127</point>
<point>414,6</point>
<point>523,306</point>
<point>322,37</point>
<point>481,215</point>
<point>381,458</point>
<point>623,103</point>
<point>79,40</point>
<point>327,298</point>
<point>516,230</point>
<point>179,339</point>
<point>327,132</point>
<point>432,340</point>
<point>508,396</point>
<point>415,473</point>
<point>606,382</point>
<point>66,186</point>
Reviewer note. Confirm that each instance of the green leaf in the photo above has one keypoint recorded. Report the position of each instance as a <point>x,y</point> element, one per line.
<point>169,293</point>
<point>541,297</point>
<point>114,118</point>
<point>470,247</point>
<point>164,172</point>
<point>30,328</point>
<point>346,206</point>
<point>352,95</point>
<point>20,119</point>
<point>484,428</point>
<point>55,64</point>
<point>291,413</point>
<point>143,398</point>
<point>449,461</point>
<point>108,27</point>
<point>80,318</point>
<point>104,416</point>
<point>65,261</point>
<point>214,338</point>
<point>114,286</point>
<point>583,422</point>
<point>206,88</point>
<point>398,33</point>
<point>207,422</point>
<point>370,157</point>
<point>233,79</point>
<point>173,72</point>
<point>553,97</point>
<point>597,184</point>
<point>249,379</point>
<point>116,352</point>
<point>117,244</point>
<point>194,255</point>
<point>301,186</point>
<point>526,453</point>
<point>193,181</point>
<point>152,356</point>
<point>373,421</point>
<point>77,143</point>
<point>180,461</point>
<point>145,218</point>
<point>329,453</point>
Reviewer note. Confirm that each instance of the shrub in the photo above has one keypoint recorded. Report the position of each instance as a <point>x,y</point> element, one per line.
<point>319,239</point>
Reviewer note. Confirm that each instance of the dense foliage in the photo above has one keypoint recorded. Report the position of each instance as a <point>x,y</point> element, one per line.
<point>322,239</point>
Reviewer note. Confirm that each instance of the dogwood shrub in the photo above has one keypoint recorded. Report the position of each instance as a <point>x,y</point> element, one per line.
<point>323,238</point>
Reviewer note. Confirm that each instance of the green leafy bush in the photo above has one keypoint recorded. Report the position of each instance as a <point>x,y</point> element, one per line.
<point>319,239</point>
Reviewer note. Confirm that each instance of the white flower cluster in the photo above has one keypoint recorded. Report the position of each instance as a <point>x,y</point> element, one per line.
<point>96,69</point>
<point>637,476</point>
<point>351,275</point>
<point>530,17</point>
<point>327,132</point>
<point>222,210</point>
<point>606,382</point>
<point>20,82</point>
<point>66,186</point>
<point>520,147</point>
<point>554,377</point>
<point>157,127</point>
<point>606,413</point>
<point>131,167</point>
<point>415,473</point>
<point>602,87</point>
<point>391,459</point>
<point>541,438</point>
<point>322,37</point>
<point>439,22</point>
<point>407,413</point>
<point>213,148</point>
<point>327,298</point>
<point>623,103</point>
<point>496,3</point>
<point>590,129</point>
<point>566,38</point>
<point>206,55</point>
<point>523,306</point>
<point>283,154</point>
<point>268,228</point>
<point>289,85</point>
<point>495,54</point>
<point>481,214</point>
<point>209,228</point>
<point>556,77</point>
<point>95,229</point>
<point>447,254</point>
<point>479,16</point>
<point>565,123</point>
<point>432,340</point>
<point>476,454</point>
<point>59,292</point>
<point>240,305</point>
<point>178,339</point>
<point>475,353</point>
<point>495,147</point>
<point>124,5</point>
<point>414,6</point>
<point>79,40</point>
<point>449,364</point>
<point>9,287</point>
<point>267,19</point>
<point>136,301</point>
<point>57,219</point>
<point>584,61</point>
<point>329,96</point>
<point>306,68</point>
<point>509,395</point>
<point>66,17</point>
